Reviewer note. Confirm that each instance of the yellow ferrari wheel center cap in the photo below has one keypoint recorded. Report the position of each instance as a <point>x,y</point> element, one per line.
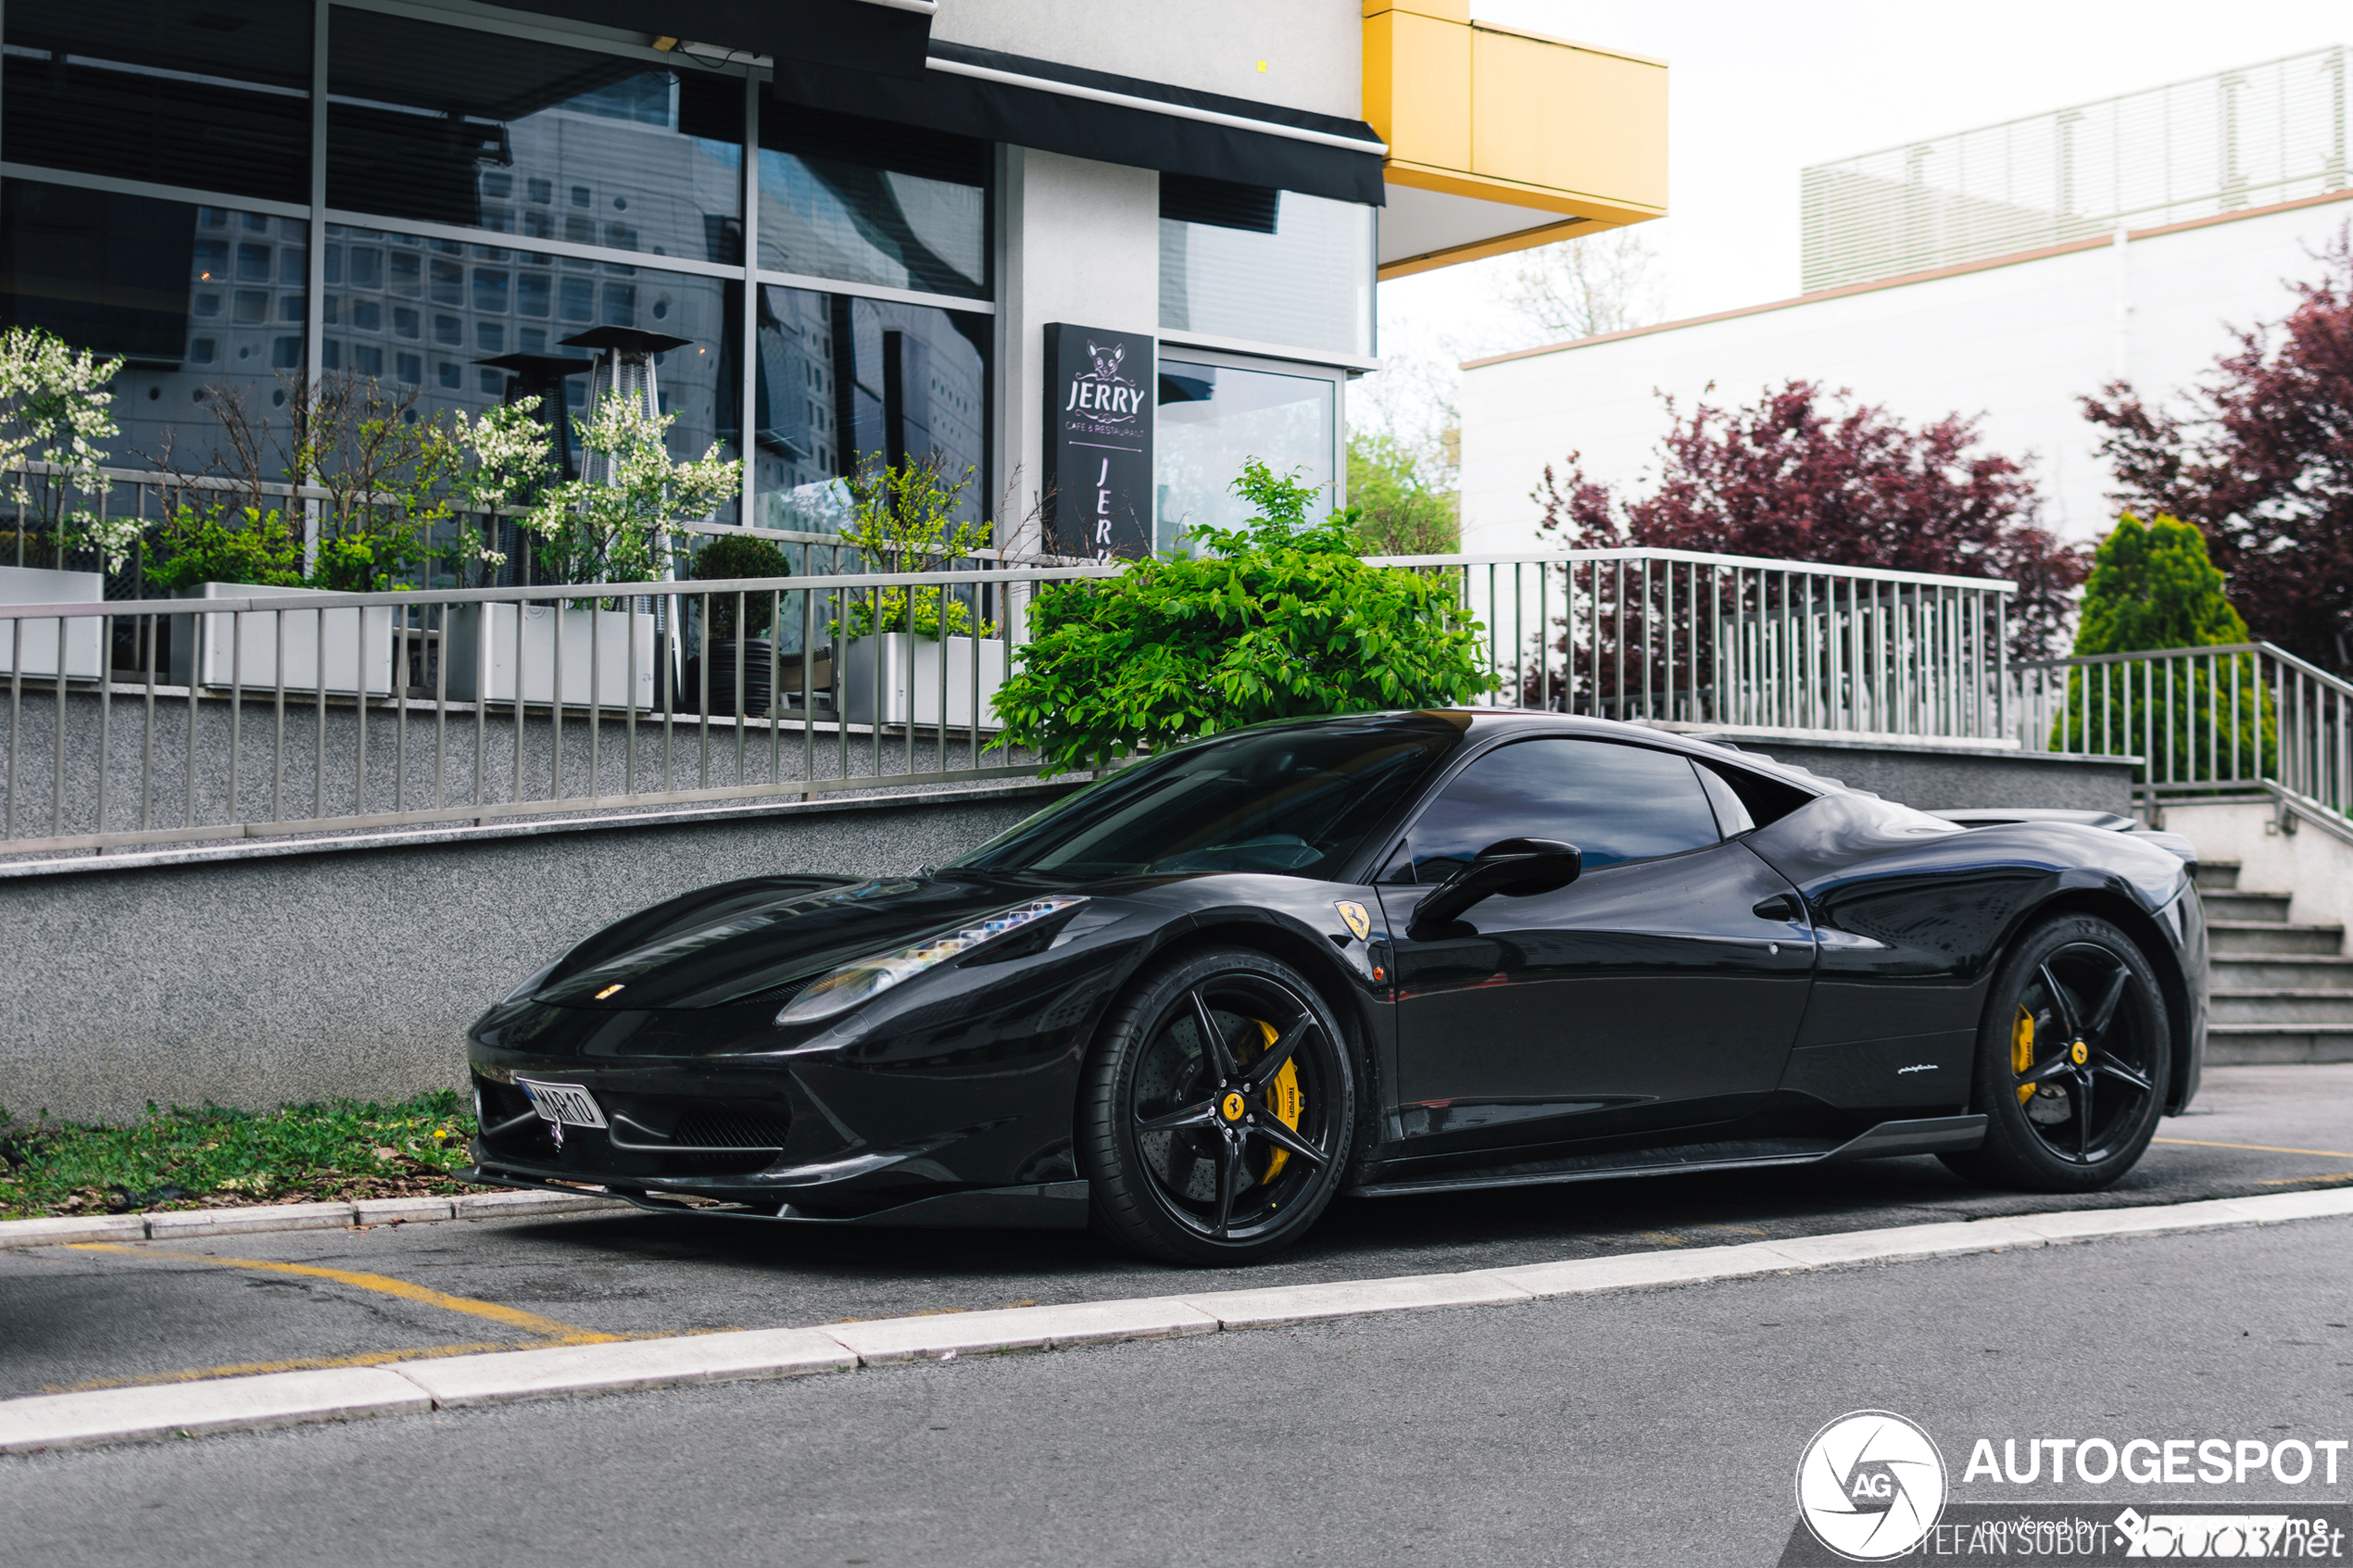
<point>2080,1053</point>
<point>1232,1107</point>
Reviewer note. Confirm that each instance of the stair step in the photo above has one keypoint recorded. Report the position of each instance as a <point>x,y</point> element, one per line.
<point>2217,876</point>
<point>2228,1043</point>
<point>2232,1005</point>
<point>2288,971</point>
<point>2243,937</point>
<point>2248,905</point>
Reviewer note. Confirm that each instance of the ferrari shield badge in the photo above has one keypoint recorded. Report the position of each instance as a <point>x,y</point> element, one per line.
<point>1358,920</point>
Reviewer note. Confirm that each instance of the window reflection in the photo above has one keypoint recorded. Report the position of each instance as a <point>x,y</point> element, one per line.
<point>1215,418</point>
<point>873,202</point>
<point>159,284</point>
<point>450,125</point>
<point>214,96</point>
<point>843,380</point>
<point>1269,266</point>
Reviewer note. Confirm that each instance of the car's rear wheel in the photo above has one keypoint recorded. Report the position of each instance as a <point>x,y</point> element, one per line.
<point>2073,1061</point>
<point>1219,1110</point>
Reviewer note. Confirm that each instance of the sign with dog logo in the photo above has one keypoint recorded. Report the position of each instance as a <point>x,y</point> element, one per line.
<point>1099,442</point>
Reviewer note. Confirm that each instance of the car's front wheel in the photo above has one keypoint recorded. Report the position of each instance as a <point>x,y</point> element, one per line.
<point>2073,1061</point>
<point>1218,1113</point>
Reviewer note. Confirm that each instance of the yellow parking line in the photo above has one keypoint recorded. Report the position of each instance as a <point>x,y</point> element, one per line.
<point>2258,1147</point>
<point>513,1317</point>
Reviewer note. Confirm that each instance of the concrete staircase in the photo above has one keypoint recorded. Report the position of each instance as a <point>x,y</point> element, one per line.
<point>2283,992</point>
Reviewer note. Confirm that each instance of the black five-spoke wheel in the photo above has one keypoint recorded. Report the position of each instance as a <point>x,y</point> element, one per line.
<point>1220,1109</point>
<point>2073,1061</point>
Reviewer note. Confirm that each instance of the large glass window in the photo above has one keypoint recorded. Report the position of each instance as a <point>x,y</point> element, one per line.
<point>1215,417</point>
<point>214,96</point>
<point>453,125</point>
<point>868,202</point>
<point>845,381</point>
<point>1268,266</point>
<point>204,304</point>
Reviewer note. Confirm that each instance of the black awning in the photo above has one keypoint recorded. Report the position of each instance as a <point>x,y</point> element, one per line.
<point>995,110</point>
<point>854,35</point>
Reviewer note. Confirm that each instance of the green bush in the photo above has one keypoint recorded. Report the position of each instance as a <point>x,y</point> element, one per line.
<point>2152,586</point>
<point>218,541</point>
<point>739,555</point>
<point>1401,512</point>
<point>1276,620</point>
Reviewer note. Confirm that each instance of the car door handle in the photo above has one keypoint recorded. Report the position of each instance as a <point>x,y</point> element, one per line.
<point>1781,906</point>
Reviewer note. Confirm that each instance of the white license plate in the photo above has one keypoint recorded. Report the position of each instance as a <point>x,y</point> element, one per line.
<point>568,1103</point>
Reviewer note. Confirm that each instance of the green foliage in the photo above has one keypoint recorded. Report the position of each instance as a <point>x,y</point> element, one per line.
<point>1276,618</point>
<point>212,539</point>
<point>903,517</point>
<point>187,1158</point>
<point>2152,586</point>
<point>609,528</point>
<point>739,555</point>
<point>1403,513</point>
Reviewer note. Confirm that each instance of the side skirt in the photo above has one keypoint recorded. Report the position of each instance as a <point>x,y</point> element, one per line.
<point>1937,1134</point>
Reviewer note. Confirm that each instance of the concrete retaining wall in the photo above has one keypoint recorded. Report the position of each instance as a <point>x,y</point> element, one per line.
<point>300,972</point>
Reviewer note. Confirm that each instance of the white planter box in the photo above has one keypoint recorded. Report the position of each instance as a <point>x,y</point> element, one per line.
<point>242,649</point>
<point>84,634</point>
<point>480,651</point>
<point>910,679</point>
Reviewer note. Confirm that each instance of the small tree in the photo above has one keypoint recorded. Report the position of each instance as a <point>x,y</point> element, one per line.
<point>610,531</point>
<point>1806,475</point>
<point>729,556</point>
<point>1402,510</point>
<point>906,516</point>
<point>2262,462</point>
<point>56,410</point>
<point>2152,586</point>
<point>1275,619</point>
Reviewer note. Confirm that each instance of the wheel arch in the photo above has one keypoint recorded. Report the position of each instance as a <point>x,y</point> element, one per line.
<point>2148,935</point>
<point>1315,958</point>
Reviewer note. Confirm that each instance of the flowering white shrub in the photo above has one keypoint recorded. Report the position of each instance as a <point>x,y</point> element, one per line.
<point>610,530</point>
<point>57,408</point>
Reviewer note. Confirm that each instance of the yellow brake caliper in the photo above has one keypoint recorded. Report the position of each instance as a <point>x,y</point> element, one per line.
<point>2022,1051</point>
<point>1283,1098</point>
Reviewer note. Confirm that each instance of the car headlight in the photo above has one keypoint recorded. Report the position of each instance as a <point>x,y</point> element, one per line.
<point>854,983</point>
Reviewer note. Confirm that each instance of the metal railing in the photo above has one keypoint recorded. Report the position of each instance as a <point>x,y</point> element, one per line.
<point>259,712</point>
<point>1686,639</point>
<point>2233,718</point>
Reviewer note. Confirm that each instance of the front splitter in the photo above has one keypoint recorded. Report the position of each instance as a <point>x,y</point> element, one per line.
<point>1047,1206</point>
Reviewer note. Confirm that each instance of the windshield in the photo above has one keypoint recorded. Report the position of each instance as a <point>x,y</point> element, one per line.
<point>1292,799</point>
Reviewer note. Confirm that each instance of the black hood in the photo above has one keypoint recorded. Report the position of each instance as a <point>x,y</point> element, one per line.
<point>731,942</point>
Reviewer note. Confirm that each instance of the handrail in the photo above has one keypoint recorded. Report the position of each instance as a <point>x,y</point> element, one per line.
<point>1705,557</point>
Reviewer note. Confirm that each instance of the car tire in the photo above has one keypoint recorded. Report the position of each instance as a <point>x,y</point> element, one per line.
<point>1219,1111</point>
<point>2073,1058</point>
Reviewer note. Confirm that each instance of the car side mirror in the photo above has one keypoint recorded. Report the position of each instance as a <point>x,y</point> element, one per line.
<point>1515,867</point>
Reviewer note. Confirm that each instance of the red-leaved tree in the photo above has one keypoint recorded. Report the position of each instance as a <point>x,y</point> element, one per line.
<point>2263,462</point>
<point>1814,476</point>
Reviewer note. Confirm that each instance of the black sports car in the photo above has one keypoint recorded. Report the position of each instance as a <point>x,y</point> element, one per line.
<point>1383,954</point>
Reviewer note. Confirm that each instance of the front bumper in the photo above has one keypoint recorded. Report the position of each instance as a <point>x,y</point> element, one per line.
<point>1036,1206</point>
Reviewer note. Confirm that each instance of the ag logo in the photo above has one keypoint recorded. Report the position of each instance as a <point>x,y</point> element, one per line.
<point>1870,1485</point>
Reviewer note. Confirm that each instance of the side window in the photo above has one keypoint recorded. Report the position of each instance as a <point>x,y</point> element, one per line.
<point>1613,802</point>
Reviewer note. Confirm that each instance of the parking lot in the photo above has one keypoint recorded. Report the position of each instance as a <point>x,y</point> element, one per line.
<point>81,1317</point>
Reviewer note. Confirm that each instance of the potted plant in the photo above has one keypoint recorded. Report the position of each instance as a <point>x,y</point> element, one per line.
<point>588,531</point>
<point>902,644</point>
<point>56,414</point>
<point>732,556</point>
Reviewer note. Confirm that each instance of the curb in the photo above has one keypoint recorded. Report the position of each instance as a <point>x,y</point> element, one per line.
<point>172,1224</point>
<point>231,1404</point>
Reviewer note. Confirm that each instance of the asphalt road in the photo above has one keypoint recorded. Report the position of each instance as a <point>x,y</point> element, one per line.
<point>1651,1427</point>
<point>76,1318</point>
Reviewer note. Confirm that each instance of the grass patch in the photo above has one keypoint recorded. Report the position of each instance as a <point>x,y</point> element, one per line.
<point>215,1157</point>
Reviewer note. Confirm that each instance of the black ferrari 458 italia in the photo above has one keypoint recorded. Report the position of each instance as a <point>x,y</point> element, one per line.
<point>1389,953</point>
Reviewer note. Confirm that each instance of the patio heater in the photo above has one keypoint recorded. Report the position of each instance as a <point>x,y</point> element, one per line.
<point>623,366</point>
